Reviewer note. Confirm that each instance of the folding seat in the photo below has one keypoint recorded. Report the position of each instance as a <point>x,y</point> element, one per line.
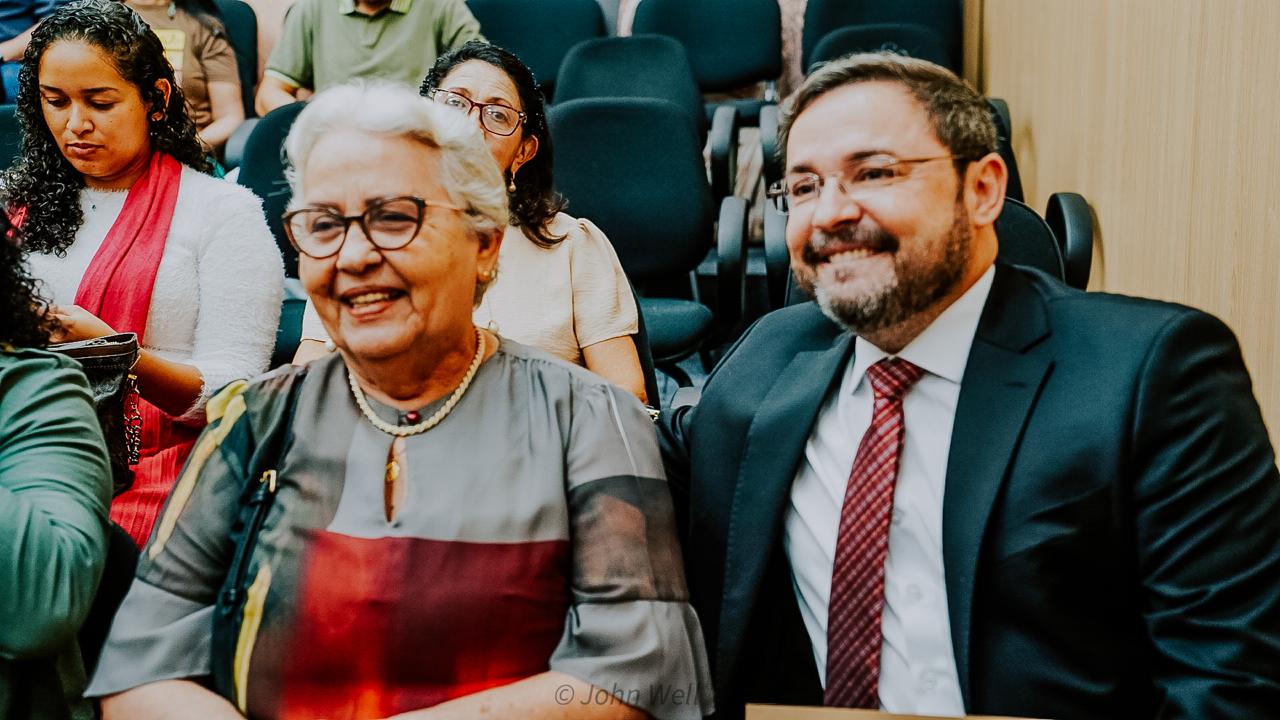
<point>917,41</point>
<point>539,32</point>
<point>652,66</point>
<point>242,33</point>
<point>943,17</point>
<point>1027,240</point>
<point>644,349</point>
<point>634,167</point>
<point>262,171</point>
<point>1004,127</point>
<point>731,44</point>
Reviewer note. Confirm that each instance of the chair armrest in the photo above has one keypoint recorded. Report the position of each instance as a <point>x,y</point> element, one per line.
<point>233,151</point>
<point>772,165</point>
<point>1071,219</point>
<point>731,261</point>
<point>777,262</point>
<point>722,141</point>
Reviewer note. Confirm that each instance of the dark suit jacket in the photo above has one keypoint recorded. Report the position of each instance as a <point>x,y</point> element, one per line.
<point>1111,518</point>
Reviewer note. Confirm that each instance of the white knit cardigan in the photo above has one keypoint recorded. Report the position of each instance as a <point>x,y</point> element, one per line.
<point>216,299</point>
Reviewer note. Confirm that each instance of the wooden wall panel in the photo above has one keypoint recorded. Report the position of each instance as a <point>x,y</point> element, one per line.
<point>1165,115</point>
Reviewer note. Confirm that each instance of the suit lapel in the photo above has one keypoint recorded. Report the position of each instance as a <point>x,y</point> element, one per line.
<point>1007,366</point>
<point>774,447</point>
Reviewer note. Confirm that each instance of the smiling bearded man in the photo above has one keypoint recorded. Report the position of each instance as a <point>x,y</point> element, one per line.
<point>866,304</point>
<point>978,490</point>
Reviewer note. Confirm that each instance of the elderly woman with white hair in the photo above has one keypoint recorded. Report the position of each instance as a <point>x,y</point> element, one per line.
<point>432,522</point>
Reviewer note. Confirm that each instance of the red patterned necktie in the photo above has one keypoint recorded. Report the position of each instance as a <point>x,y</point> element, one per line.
<point>857,576</point>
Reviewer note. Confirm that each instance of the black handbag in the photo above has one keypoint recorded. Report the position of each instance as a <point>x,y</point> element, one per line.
<point>108,364</point>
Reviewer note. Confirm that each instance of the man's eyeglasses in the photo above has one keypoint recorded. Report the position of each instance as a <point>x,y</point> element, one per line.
<point>497,118</point>
<point>857,181</point>
<point>389,224</point>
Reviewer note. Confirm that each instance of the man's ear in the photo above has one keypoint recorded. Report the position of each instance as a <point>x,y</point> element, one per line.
<point>985,180</point>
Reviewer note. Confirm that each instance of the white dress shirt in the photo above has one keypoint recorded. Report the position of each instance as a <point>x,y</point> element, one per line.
<point>917,664</point>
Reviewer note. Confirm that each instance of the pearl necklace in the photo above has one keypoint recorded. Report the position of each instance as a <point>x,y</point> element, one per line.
<point>425,425</point>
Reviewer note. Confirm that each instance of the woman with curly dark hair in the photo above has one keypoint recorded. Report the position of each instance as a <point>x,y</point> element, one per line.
<point>560,287</point>
<point>131,234</point>
<point>54,488</point>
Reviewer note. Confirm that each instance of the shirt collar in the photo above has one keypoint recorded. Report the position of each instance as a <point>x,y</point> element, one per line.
<point>943,348</point>
<point>348,7</point>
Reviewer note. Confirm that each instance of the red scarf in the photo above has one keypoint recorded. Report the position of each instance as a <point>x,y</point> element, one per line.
<point>117,287</point>
<point>118,283</point>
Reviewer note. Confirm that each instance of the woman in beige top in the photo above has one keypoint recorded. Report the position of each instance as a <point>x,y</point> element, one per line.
<point>196,45</point>
<point>560,286</point>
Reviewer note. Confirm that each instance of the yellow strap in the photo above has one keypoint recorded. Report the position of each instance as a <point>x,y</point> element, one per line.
<point>249,624</point>
<point>225,409</point>
<point>217,405</point>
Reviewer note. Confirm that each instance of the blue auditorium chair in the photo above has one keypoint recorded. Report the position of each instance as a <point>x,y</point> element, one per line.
<point>917,41</point>
<point>652,66</point>
<point>823,16</point>
<point>539,32</point>
<point>634,167</point>
<point>242,32</point>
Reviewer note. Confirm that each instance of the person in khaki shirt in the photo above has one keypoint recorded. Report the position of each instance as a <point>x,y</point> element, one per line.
<point>195,42</point>
<point>389,39</point>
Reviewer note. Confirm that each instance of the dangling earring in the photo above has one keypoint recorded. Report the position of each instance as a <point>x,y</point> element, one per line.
<point>511,184</point>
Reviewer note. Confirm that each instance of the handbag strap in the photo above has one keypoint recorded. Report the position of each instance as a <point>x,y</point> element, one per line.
<point>256,500</point>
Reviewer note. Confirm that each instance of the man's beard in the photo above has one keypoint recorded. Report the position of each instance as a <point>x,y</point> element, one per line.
<point>912,289</point>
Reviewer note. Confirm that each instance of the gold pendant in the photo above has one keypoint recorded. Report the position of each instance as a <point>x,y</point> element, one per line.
<point>392,489</point>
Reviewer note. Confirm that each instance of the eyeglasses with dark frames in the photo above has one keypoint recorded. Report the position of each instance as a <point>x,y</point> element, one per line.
<point>857,181</point>
<point>389,224</point>
<point>496,118</point>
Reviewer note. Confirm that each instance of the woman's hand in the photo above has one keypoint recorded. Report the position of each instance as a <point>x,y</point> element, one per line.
<point>78,324</point>
<point>169,385</point>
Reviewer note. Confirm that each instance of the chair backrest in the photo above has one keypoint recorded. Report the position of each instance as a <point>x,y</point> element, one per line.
<point>634,167</point>
<point>262,171</point>
<point>539,32</point>
<point>10,136</point>
<point>823,16</point>
<point>640,66</point>
<point>1000,113</point>
<point>731,43</point>
<point>289,331</point>
<point>242,32</point>
<point>917,41</point>
<point>1025,239</point>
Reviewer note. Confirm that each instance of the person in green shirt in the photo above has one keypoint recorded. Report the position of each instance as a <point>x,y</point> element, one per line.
<point>55,484</point>
<point>327,42</point>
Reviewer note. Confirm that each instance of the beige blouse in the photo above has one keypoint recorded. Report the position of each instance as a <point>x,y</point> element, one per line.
<point>558,299</point>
